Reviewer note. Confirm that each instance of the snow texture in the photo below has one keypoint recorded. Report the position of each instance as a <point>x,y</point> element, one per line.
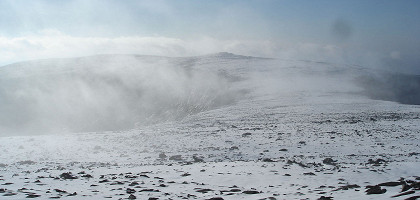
<point>265,129</point>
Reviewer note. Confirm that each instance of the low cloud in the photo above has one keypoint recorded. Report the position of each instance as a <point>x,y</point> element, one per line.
<point>54,44</point>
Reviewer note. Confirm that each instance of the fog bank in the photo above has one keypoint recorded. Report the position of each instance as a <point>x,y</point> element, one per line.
<point>103,93</point>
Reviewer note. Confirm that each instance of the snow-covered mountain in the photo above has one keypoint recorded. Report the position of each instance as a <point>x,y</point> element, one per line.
<point>220,126</point>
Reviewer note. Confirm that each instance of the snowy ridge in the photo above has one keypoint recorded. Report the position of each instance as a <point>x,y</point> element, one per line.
<point>292,130</point>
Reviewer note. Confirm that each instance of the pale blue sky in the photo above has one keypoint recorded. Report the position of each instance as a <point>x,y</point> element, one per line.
<point>385,29</point>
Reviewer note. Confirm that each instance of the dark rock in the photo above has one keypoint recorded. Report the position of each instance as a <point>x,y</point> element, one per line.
<point>186,174</point>
<point>67,175</point>
<point>250,192</point>
<point>347,187</point>
<point>132,197</point>
<point>377,161</point>
<point>130,191</point>
<point>268,160</point>
<point>72,194</point>
<point>412,198</point>
<point>87,176</point>
<point>233,148</point>
<point>9,194</point>
<point>117,183</point>
<point>204,190</point>
<point>134,183</point>
<point>328,161</point>
<point>197,159</point>
<point>246,134</point>
<point>404,193</point>
<point>287,175</point>
<point>295,162</point>
<point>391,184</point>
<point>33,196</point>
<point>216,198</point>
<point>26,162</point>
<point>153,198</point>
<point>104,181</point>
<point>2,190</point>
<point>375,190</point>
<point>162,155</point>
<point>283,150</point>
<point>60,191</point>
<point>149,190</point>
<point>176,158</point>
<point>309,174</point>
<point>325,198</point>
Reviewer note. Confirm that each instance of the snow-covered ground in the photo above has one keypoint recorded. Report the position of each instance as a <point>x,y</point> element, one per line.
<point>291,130</point>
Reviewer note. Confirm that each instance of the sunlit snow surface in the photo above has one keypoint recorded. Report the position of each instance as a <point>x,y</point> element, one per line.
<point>271,136</point>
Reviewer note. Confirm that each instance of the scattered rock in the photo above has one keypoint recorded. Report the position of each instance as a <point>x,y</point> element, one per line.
<point>347,187</point>
<point>26,162</point>
<point>134,183</point>
<point>87,176</point>
<point>251,192</point>
<point>186,174</point>
<point>162,156</point>
<point>33,196</point>
<point>268,160</point>
<point>375,190</point>
<point>412,198</point>
<point>149,190</point>
<point>233,148</point>
<point>10,194</point>
<point>197,159</point>
<point>67,175</point>
<point>203,190</point>
<point>176,158</point>
<point>377,161</point>
<point>391,184</point>
<point>60,191</point>
<point>72,194</point>
<point>404,193</point>
<point>328,161</point>
<point>130,191</point>
<point>246,134</point>
<point>325,198</point>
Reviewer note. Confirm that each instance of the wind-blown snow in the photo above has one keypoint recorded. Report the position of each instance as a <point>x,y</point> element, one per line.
<point>264,129</point>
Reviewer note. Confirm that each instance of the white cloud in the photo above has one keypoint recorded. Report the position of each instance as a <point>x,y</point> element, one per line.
<point>53,44</point>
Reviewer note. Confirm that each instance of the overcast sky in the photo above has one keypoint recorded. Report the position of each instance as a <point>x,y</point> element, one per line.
<point>376,33</point>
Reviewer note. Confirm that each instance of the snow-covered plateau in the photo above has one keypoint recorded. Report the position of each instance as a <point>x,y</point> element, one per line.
<point>219,126</point>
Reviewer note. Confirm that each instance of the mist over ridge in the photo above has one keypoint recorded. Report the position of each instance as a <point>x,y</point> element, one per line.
<point>106,92</point>
<point>121,92</point>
